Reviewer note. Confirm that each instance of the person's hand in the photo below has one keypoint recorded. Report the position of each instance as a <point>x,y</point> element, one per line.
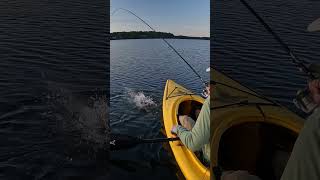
<point>208,90</point>
<point>314,87</point>
<point>174,130</point>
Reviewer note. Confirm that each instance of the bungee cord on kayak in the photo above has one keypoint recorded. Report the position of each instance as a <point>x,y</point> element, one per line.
<point>126,10</point>
<point>235,88</point>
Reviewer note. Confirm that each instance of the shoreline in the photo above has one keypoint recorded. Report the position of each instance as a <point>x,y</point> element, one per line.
<point>150,35</point>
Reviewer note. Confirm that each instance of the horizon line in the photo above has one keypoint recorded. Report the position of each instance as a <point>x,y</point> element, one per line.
<point>161,32</point>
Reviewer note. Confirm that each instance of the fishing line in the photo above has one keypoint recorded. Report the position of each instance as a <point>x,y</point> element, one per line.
<point>204,83</point>
<point>300,64</point>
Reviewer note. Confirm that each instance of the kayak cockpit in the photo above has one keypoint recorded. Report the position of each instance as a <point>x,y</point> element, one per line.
<point>190,108</point>
<point>262,149</point>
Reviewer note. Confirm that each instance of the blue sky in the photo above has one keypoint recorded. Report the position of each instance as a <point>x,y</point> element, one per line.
<point>180,17</point>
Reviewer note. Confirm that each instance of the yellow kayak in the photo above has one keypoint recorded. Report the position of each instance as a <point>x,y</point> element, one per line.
<point>248,131</point>
<point>179,100</point>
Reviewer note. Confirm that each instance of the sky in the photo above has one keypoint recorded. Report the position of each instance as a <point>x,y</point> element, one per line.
<point>180,17</point>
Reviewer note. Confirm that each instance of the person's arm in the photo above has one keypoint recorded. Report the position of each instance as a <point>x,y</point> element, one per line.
<point>304,161</point>
<point>200,133</point>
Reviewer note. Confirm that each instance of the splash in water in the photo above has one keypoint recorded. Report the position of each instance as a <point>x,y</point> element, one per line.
<point>82,117</point>
<point>141,100</point>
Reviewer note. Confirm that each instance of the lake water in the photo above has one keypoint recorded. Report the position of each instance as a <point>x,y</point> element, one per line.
<point>53,86</point>
<point>244,50</point>
<point>138,73</point>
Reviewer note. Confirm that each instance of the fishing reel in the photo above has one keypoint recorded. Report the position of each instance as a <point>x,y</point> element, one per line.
<point>205,92</point>
<point>303,99</point>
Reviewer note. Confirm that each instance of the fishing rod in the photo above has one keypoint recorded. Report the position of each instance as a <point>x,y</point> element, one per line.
<point>203,82</point>
<point>120,141</point>
<point>300,64</point>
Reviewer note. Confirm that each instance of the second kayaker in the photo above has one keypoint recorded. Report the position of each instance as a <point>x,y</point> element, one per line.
<point>195,135</point>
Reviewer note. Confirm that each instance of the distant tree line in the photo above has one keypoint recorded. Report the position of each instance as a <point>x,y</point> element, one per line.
<point>149,35</point>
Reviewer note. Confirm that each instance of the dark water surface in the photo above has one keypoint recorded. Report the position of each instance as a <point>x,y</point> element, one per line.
<point>138,73</point>
<point>54,81</point>
<point>53,85</point>
<point>247,52</point>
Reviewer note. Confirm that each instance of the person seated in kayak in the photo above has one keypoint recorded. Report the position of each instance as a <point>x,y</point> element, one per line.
<point>195,134</point>
<point>304,162</point>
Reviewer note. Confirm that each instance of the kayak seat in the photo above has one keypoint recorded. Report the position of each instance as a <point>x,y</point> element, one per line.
<point>189,108</point>
<point>240,148</point>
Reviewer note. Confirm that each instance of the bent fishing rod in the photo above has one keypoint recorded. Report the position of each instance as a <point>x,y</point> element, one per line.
<point>203,82</point>
<point>300,64</point>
